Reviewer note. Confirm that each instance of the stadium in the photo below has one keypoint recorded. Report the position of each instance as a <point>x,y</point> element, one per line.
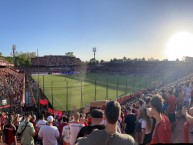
<point>62,84</point>
<point>113,72</point>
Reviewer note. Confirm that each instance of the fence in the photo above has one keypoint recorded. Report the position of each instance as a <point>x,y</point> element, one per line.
<point>66,91</point>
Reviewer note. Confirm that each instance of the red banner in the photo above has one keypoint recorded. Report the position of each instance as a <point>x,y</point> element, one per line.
<point>43,102</point>
<point>6,106</point>
<point>52,111</point>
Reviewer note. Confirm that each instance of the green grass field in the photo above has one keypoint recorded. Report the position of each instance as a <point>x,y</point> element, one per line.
<point>118,86</point>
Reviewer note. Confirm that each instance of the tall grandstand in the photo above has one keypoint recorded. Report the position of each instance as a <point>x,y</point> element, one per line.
<point>12,85</point>
<point>54,63</point>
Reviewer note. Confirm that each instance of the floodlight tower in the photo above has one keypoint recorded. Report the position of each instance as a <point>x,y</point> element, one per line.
<point>14,48</point>
<point>94,50</point>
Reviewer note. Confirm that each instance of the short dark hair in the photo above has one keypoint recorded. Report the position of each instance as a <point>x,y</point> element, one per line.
<point>129,108</point>
<point>112,112</point>
<point>141,102</point>
<point>65,119</point>
<point>157,103</point>
<point>148,99</point>
<point>96,113</point>
<point>41,116</point>
<point>170,92</point>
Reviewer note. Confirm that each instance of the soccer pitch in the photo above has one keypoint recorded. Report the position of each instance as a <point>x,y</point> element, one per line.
<point>90,86</point>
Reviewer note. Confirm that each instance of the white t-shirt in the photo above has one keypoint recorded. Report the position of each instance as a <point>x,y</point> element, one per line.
<point>74,130</point>
<point>49,135</point>
<point>66,133</point>
<point>187,94</point>
<point>144,126</point>
<point>41,123</point>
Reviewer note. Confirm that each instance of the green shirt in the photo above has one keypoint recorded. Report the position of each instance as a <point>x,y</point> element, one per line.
<point>101,137</point>
<point>27,135</point>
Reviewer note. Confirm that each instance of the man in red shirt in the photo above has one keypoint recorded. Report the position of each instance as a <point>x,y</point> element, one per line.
<point>172,100</point>
<point>3,117</point>
<point>162,130</point>
<point>9,132</point>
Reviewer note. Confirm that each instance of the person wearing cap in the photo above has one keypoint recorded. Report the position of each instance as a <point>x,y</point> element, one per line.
<point>96,116</point>
<point>108,136</point>
<point>49,133</point>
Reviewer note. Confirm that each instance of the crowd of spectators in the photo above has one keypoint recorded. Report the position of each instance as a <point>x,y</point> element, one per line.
<point>147,118</point>
<point>3,62</point>
<point>177,69</point>
<point>52,60</point>
<point>12,86</point>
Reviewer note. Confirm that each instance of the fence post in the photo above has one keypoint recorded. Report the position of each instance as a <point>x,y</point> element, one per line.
<point>43,84</point>
<point>126,86</point>
<point>134,83</point>
<point>81,101</point>
<point>117,87</point>
<point>107,95</point>
<point>95,89</point>
<point>38,98</point>
<point>52,94</point>
<point>66,94</point>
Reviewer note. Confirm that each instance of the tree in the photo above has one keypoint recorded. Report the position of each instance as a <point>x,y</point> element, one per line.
<point>165,60</point>
<point>143,59</point>
<point>152,59</point>
<point>92,60</point>
<point>70,54</point>
<point>128,59</point>
<point>102,61</point>
<point>124,58</point>
<point>9,59</point>
<point>1,54</point>
<point>187,59</point>
<point>114,60</point>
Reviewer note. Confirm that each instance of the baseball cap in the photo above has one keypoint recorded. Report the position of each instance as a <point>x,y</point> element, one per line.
<point>97,113</point>
<point>50,119</point>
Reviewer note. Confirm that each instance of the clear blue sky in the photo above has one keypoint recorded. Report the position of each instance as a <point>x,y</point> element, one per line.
<point>117,28</point>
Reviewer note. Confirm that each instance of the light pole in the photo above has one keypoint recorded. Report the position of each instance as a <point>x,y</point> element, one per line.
<point>14,48</point>
<point>94,50</point>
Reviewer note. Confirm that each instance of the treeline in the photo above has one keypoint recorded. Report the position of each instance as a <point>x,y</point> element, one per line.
<point>20,58</point>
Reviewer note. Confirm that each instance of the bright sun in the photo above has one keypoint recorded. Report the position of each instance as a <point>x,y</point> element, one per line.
<point>179,45</point>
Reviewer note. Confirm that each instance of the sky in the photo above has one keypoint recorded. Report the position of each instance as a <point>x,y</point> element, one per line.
<point>117,28</point>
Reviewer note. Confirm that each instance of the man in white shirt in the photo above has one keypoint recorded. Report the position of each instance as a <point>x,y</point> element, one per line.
<point>187,96</point>
<point>74,128</point>
<point>49,133</point>
<point>41,122</point>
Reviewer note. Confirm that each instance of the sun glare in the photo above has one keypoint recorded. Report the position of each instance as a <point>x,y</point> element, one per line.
<point>179,45</point>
